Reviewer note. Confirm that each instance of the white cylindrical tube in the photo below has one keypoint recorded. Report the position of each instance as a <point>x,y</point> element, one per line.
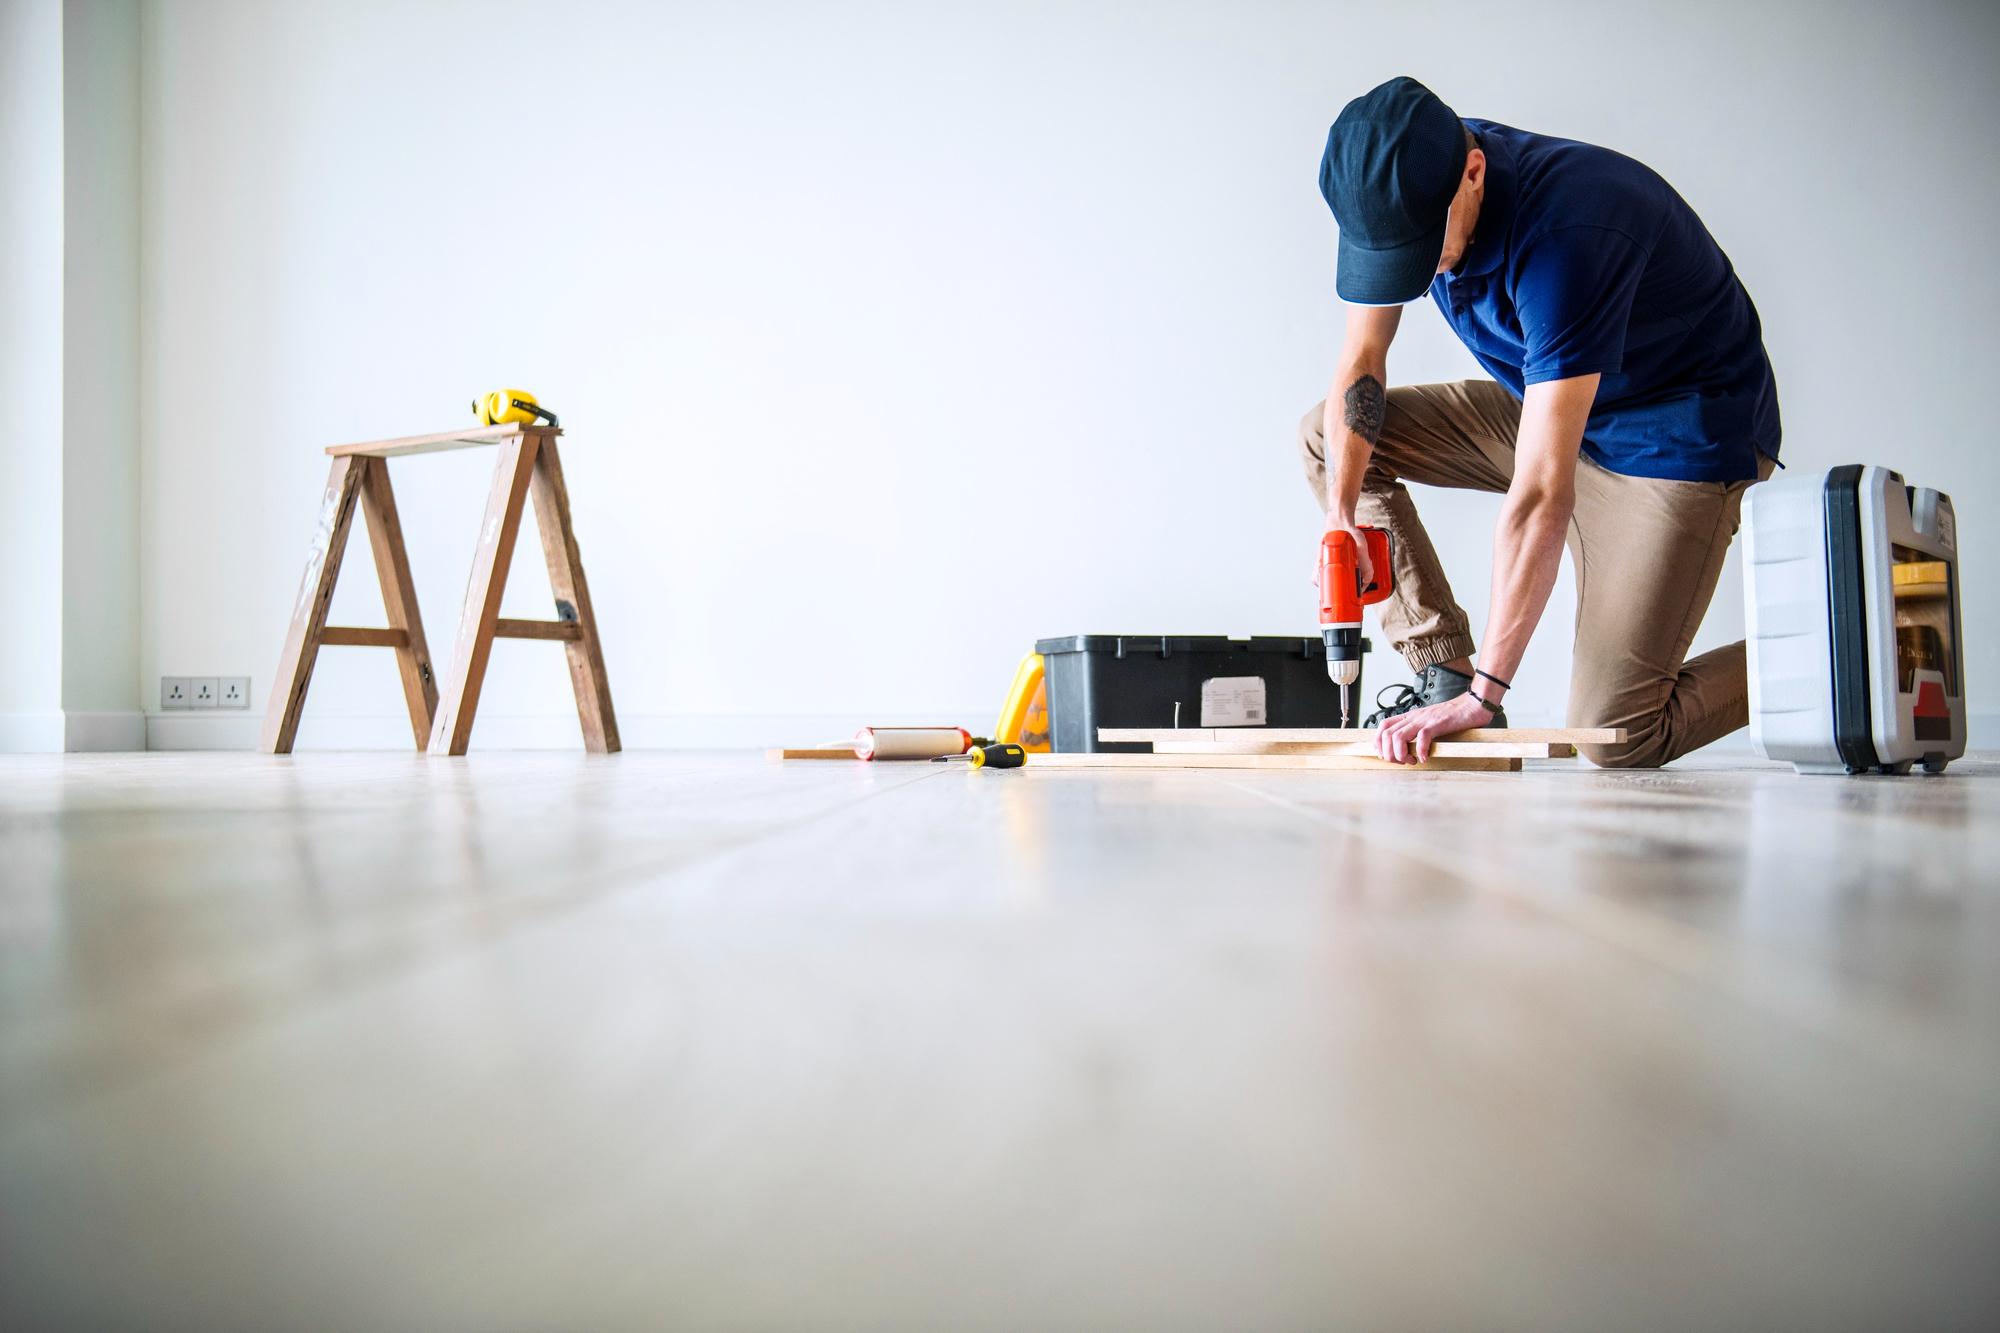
<point>910,742</point>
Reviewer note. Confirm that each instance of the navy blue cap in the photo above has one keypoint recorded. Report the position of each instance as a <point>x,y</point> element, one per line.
<point>1392,165</point>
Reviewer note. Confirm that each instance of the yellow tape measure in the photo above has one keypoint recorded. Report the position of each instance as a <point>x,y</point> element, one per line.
<point>507,406</point>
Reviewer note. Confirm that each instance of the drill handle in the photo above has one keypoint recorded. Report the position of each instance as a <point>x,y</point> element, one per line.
<point>1341,594</point>
<point>1380,552</point>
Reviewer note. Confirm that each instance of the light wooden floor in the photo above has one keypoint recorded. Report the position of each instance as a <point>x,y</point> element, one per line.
<point>657,1041</point>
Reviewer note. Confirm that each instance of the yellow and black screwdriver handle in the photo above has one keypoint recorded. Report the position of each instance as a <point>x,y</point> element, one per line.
<point>503,406</point>
<point>1000,754</point>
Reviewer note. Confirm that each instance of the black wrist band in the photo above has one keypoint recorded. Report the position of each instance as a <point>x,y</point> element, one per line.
<point>1503,684</point>
<point>1492,709</point>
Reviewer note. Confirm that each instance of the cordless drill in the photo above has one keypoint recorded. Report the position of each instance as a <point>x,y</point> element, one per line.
<point>1341,598</point>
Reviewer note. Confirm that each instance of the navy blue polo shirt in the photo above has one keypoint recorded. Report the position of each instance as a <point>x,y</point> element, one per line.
<point>1584,261</point>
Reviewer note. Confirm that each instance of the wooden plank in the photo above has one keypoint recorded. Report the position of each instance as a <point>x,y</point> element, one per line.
<point>565,563</point>
<point>1442,749</point>
<point>302,640</point>
<point>477,437</point>
<point>835,752</point>
<point>399,598</point>
<point>1315,762</point>
<point>451,731</point>
<point>1329,735</point>
<point>363,636</point>
<point>537,629</point>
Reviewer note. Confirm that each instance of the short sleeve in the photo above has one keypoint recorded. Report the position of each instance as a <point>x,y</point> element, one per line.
<point>1573,293</point>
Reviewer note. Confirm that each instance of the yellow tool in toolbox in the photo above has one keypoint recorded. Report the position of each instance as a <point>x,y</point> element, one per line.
<point>1024,717</point>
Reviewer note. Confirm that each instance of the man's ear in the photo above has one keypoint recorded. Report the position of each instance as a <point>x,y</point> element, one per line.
<point>1475,168</point>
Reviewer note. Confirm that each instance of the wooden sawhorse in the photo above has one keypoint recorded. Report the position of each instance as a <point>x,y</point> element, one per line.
<point>443,722</point>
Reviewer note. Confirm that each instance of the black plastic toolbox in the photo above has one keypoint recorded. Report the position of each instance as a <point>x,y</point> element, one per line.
<point>1136,680</point>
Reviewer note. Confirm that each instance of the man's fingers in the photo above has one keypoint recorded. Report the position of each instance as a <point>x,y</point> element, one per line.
<point>1407,739</point>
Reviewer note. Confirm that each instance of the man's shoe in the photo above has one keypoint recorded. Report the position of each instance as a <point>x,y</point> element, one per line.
<point>1435,685</point>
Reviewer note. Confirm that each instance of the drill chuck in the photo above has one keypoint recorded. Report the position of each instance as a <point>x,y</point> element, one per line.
<point>1343,653</point>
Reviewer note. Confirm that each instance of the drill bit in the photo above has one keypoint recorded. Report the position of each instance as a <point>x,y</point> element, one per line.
<point>1345,690</point>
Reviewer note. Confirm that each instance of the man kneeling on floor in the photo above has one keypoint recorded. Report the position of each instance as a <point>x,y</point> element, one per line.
<point>1631,405</point>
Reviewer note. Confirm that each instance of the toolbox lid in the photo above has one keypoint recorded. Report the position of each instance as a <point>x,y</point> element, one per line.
<point>1166,645</point>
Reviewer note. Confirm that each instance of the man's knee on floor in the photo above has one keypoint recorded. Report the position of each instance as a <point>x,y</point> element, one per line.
<point>1639,749</point>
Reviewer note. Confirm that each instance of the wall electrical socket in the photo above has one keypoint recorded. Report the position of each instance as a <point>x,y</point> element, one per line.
<point>179,692</point>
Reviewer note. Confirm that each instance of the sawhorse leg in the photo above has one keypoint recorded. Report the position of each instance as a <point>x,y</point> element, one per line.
<point>527,463</point>
<point>586,657</point>
<point>459,701</point>
<point>365,479</point>
<point>295,666</point>
<point>399,597</point>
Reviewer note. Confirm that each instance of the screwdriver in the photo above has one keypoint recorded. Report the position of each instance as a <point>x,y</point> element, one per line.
<point>1003,754</point>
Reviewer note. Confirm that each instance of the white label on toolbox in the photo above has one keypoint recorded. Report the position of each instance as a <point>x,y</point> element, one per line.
<point>1232,701</point>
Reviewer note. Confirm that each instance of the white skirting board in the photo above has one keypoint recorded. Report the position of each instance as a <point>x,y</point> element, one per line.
<point>100,732</point>
<point>31,733</point>
<point>55,733</point>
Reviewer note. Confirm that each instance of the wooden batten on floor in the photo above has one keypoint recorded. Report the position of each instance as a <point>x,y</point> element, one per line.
<point>1366,749</point>
<point>1271,762</point>
<point>1329,735</point>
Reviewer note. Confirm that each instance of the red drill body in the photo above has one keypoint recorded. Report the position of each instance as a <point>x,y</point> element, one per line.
<point>1341,598</point>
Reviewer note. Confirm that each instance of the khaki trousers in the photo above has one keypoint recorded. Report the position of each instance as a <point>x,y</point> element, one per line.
<point>1647,555</point>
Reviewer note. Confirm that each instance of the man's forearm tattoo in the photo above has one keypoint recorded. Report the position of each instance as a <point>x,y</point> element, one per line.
<point>1364,405</point>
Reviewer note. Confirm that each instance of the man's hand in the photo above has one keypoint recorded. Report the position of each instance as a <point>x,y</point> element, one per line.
<point>1363,564</point>
<point>1407,737</point>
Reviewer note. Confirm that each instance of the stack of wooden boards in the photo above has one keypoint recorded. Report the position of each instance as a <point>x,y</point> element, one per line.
<point>1481,750</point>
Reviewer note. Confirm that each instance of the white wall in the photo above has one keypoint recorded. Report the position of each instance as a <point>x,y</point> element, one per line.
<point>100,375</point>
<point>814,285</point>
<point>31,393</point>
<point>69,455</point>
